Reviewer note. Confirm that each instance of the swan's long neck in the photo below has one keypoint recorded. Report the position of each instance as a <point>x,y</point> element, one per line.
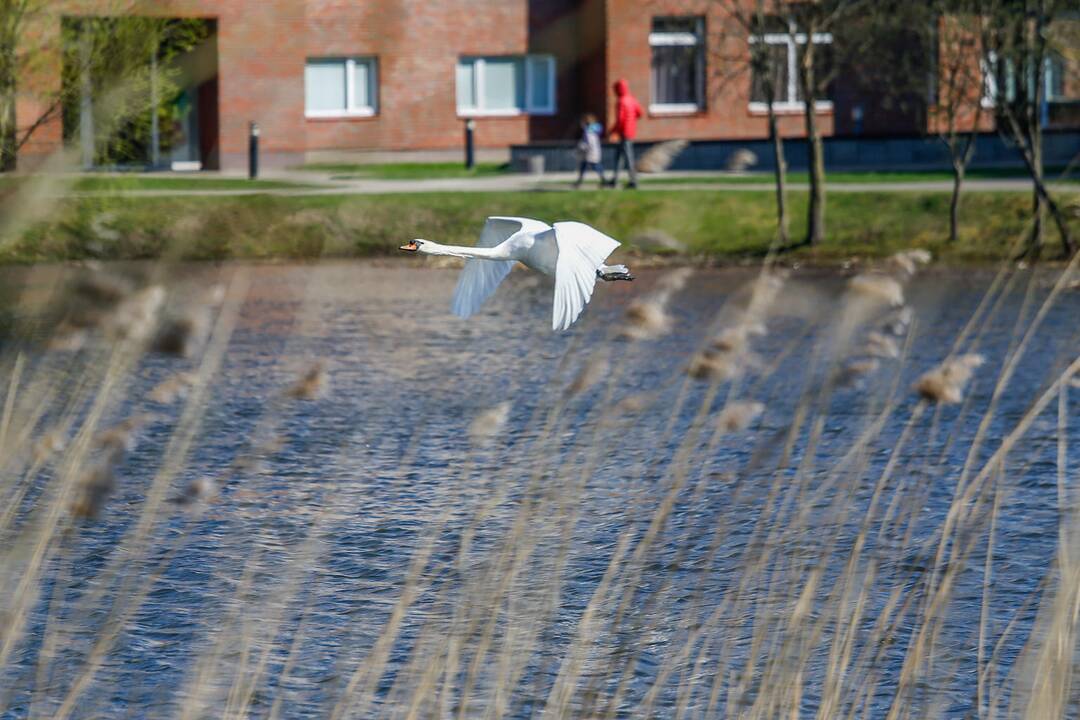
<point>434,248</point>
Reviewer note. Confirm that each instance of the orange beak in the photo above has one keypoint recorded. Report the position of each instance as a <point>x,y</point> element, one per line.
<point>410,247</point>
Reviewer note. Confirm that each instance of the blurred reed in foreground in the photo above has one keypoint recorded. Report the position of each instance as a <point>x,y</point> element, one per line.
<point>530,588</point>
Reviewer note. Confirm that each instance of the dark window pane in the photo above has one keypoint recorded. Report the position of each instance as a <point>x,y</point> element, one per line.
<point>825,70</point>
<point>675,25</point>
<point>769,61</point>
<point>675,75</point>
<point>769,24</point>
<point>824,74</point>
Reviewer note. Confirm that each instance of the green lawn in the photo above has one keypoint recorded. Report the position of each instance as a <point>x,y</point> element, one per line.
<point>123,183</point>
<point>856,178</point>
<point>717,225</point>
<point>405,171</point>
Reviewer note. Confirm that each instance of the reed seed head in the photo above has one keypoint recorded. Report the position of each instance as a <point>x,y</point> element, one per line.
<point>877,288</point>
<point>172,389</point>
<point>714,365</point>
<point>908,261</point>
<point>645,319</point>
<point>93,489</point>
<point>738,416</point>
<point>48,444</point>
<point>312,384</point>
<point>489,423</point>
<point>881,346</point>
<point>946,382</point>
<point>854,371</point>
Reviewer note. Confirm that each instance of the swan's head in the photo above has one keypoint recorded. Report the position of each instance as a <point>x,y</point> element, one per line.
<point>414,246</point>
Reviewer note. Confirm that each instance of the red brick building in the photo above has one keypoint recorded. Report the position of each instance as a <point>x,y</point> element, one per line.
<point>334,76</point>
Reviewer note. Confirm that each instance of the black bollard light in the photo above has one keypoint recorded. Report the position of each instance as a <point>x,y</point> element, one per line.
<point>253,151</point>
<point>470,155</point>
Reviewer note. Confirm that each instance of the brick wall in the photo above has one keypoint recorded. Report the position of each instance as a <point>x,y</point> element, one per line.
<point>261,56</point>
<point>727,113</point>
<point>417,44</point>
<point>262,46</point>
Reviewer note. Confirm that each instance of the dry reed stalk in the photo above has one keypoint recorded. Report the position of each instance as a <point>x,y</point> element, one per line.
<point>195,695</point>
<point>1004,377</point>
<point>713,695</point>
<point>1046,670</point>
<point>509,668</point>
<point>593,690</point>
<point>980,648</point>
<point>570,509</point>
<point>614,701</point>
<point>942,574</point>
<point>593,371</point>
<point>687,622</point>
<point>175,454</point>
<point>371,669</point>
<point>786,635</point>
<point>40,541</point>
<point>9,400</point>
<point>687,445</point>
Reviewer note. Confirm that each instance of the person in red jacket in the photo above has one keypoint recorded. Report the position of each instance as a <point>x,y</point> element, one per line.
<point>627,112</point>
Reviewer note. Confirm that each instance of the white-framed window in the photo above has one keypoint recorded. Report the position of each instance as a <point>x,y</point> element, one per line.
<point>506,85</point>
<point>1000,79</point>
<point>784,50</point>
<point>678,65</point>
<point>1054,75</point>
<point>341,87</point>
<point>997,74</point>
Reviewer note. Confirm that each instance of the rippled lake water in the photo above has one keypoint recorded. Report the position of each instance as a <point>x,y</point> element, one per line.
<point>607,552</point>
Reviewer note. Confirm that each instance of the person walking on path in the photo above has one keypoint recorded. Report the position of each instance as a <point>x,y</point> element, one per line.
<point>627,112</point>
<point>589,149</point>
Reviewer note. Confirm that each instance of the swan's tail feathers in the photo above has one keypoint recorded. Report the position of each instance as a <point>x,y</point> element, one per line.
<point>582,251</point>
<point>614,272</point>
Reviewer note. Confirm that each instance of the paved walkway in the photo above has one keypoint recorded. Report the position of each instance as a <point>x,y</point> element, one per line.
<point>314,184</point>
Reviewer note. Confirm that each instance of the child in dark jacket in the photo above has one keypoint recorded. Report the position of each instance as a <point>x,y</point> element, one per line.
<point>589,150</point>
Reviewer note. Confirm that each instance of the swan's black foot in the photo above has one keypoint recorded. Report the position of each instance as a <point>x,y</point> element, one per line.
<point>609,276</point>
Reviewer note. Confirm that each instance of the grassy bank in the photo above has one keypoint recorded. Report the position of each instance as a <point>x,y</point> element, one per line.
<point>1056,175</point>
<point>118,183</point>
<point>720,226</point>
<point>405,171</point>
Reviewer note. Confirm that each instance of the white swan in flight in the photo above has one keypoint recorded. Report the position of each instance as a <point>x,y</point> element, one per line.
<point>571,251</point>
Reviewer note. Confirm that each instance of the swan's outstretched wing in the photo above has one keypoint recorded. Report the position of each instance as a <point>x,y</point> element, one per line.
<point>480,277</point>
<point>582,250</point>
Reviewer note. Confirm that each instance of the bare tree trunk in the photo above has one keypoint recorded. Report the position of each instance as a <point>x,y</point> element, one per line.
<point>961,159</point>
<point>1038,207</point>
<point>763,62</point>
<point>1068,247</point>
<point>815,227</point>
<point>954,205</point>
<point>8,140</point>
<point>782,237</point>
<point>8,137</point>
<point>1036,51</point>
